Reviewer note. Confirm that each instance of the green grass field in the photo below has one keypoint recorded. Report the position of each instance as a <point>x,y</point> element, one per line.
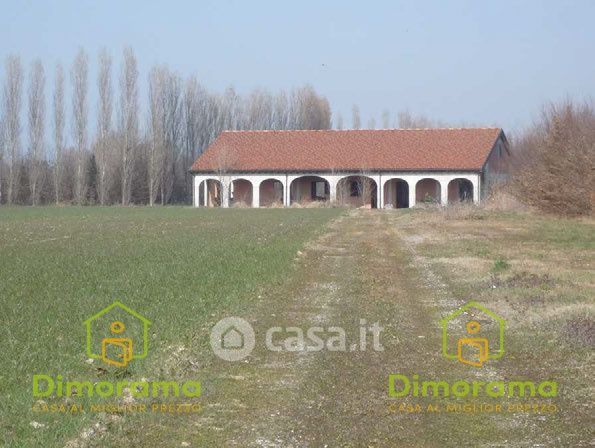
<point>185,269</point>
<point>177,266</point>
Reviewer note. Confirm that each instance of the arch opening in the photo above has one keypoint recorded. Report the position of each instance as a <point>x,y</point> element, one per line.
<point>308,189</point>
<point>271,193</point>
<point>396,194</point>
<point>240,193</point>
<point>460,190</point>
<point>427,191</point>
<point>357,191</point>
<point>209,193</point>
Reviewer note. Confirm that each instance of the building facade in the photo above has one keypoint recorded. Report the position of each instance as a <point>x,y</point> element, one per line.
<point>357,168</point>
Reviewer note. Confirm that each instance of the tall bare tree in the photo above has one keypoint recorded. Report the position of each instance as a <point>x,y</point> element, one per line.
<point>231,103</point>
<point>194,105</point>
<point>339,124</point>
<point>13,85</point>
<point>59,121</point>
<point>311,110</point>
<point>281,111</point>
<point>157,79</point>
<point>259,111</point>
<point>385,119</point>
<point>36,129</point>
<point>406,120</point>
<point>173,134</point>
<point>79,76</point>
<point>2,144</point>
<point>356,121</point>
<point>128,121</point>
<point>104,123</point>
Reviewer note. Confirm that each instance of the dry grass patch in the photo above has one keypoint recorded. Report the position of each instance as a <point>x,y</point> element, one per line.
<point>537,272</point>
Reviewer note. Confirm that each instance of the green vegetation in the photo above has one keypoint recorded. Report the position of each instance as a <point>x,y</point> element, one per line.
<point>177,266</point>
<point>185,269</point>
<point>500,265</point>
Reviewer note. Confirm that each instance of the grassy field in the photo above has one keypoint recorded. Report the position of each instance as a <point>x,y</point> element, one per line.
<point>58,266</point>
<point>537,272</point>
<point>185,269</point>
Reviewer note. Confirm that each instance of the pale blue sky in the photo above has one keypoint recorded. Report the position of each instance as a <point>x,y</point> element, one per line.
<point>476,62</point>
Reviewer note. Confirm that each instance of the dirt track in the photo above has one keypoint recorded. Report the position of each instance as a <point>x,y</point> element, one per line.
<point>360,268</point>
<point>368,266</point>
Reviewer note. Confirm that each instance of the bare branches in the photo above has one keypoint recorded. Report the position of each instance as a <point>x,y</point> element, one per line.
<point>339,124</point>
<point>356,121</point>
<point>168,109</point>
<point>385,119</point>
<point>173,134</point>
<point>406,120</point>
<point>2,144</point>
<point>195,103</point>
<point>104,123</point>
<point>79,75</point>
<point>281,111</point>
<point>13,84</point>
<point>36,129</point>
<point>59,121</point>
<point>128,121</point>
<point>122,162</point>
<point>157,80</point>
<point>311,111</point>
<point>553,161</point>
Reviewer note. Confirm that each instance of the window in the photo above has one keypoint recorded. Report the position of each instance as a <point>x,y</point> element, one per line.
<point>319,190</point>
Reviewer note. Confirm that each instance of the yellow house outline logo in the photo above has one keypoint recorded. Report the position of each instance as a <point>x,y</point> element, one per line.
<point>479,343</point>
<point>125,345</point>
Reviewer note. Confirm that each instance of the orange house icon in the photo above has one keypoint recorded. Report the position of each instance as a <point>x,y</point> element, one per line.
<point>474,348</point>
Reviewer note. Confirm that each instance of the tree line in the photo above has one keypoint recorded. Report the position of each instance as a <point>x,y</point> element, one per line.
<point>137,154</point>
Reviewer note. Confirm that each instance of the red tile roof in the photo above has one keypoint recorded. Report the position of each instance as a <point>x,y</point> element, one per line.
<point>349,150</point>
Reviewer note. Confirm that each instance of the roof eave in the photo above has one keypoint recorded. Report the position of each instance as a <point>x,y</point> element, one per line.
<point>331,171</point>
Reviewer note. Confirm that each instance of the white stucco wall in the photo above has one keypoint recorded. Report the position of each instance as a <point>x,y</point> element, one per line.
<point>333,179</point>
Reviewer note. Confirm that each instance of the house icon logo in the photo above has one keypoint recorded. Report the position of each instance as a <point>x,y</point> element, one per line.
<point>117,335</point>
<point>473,335</point>
<point>232,339</point>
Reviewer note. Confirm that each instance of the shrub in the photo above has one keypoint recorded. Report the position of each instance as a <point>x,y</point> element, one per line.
<point>500,265</point>
<point>554,161</point>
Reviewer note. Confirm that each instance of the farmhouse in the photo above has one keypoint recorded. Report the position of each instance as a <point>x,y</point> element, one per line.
<point>395,168</point>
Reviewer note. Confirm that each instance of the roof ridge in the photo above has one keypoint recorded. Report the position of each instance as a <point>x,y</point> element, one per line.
<point>362,130</point>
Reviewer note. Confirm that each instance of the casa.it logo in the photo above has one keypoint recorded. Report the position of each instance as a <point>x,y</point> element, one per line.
<point>473,335</point>
<point>117,335</point>
<point>232,339</point>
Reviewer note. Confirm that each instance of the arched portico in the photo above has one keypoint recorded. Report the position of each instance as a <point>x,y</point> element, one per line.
<point>210,193</point>
<point>240,193</point>
<point>306,189</point>
<point>460,190</point>
<point>357,191</point>
<point>396,193</point>
<point>338,188</point>
<point>428,191</point>
<point>271,193</point>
